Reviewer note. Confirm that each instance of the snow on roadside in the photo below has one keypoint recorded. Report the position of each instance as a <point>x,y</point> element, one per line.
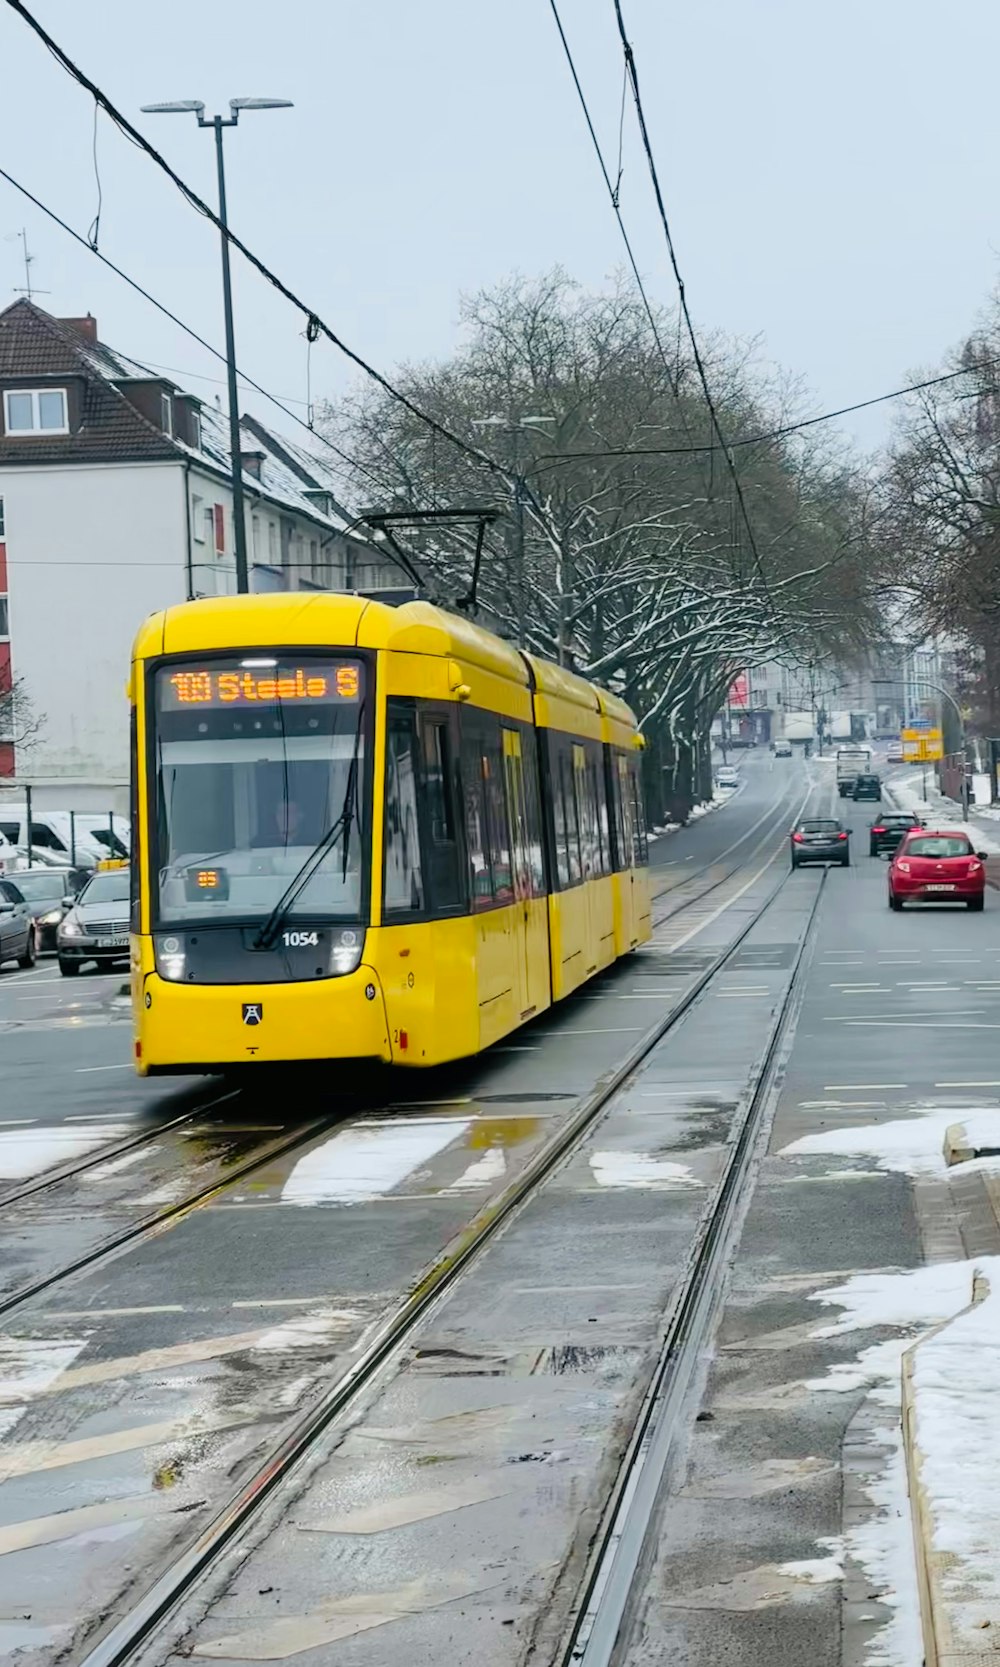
<point>27,1152</point>
<point>939,811</point>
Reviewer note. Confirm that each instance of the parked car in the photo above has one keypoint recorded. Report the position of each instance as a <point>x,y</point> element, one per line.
<point>820,839</point>
<point>17,929</point>
<point>726,776</point>
<point>937,867</point>
<point>867,787</point>
<point>894,752</point>
<point>46,890</point>
<point>886,832</point>
<point>96,927</point>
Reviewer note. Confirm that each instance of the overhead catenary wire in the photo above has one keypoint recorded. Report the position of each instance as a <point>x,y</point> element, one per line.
<point>314,320</point>
<point>633,79</point>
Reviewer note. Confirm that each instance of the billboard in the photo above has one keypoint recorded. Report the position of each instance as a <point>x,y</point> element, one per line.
<point>739,691</point>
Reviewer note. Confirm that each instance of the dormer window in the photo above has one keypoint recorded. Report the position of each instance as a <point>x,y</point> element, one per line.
<point>166,414</point>
<point>35,411</point>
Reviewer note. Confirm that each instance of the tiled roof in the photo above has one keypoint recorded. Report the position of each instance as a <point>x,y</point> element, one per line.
<point>34,344</point>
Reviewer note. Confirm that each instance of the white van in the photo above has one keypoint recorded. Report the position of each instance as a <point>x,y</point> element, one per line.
<point>92,836</point>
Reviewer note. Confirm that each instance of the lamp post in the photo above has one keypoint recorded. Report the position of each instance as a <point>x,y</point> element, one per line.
<point>515,428</point>
<point>192,106</point>
<point>944,694</point>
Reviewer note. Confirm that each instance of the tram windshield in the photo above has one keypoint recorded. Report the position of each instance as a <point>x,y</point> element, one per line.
<point>259,782</point>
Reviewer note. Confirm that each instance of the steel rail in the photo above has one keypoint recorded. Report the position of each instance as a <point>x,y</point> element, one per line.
<point>624,1541</point>
<point>295,1446</point>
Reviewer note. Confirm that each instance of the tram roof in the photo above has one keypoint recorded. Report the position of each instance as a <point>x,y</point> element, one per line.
<point>326,618</point>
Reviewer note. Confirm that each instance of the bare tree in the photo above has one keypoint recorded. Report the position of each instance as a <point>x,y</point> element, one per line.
<point>619,547</point>
<point>20,723</point>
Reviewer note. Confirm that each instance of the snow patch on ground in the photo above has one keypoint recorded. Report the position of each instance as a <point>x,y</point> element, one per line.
<point>25,1153</point>
<point>818,1571</point>
<point>938,810</point>
<point>906,1145</point>
<point>639,1169</point>
<point>369,1160</point>
<point>883,1547</point>
<point>322,1325</point>
<point>492,1166</point>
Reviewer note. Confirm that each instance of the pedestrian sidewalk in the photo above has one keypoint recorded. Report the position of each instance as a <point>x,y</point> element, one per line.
<point>982,827</point>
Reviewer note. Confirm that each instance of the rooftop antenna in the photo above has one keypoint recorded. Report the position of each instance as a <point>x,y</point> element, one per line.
<point>29,289</point>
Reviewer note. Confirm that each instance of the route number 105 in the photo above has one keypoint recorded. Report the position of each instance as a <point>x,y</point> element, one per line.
<point>300,940</point>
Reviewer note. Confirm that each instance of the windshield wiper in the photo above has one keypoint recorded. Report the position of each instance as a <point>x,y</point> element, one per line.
<point>267,937</point>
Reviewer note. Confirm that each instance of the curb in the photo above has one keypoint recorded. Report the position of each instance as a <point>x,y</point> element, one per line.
<point>958,1624</point>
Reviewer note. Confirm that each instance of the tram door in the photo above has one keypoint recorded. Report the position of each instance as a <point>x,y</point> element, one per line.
<point>627,837</point>
<point>531,951</point>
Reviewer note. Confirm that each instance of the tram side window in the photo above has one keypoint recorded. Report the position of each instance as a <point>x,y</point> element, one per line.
<point>442,861</point>
<point>403,881</point>
<point>599,799</point>
<point>640,850</point>
<point>619,851</point>
<point>487,834</point>
<point>533,812</point>
<point>497,826</point>
<point>569,868</point>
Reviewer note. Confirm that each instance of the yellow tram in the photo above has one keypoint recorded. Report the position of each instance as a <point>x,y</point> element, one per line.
<point>361,831</point>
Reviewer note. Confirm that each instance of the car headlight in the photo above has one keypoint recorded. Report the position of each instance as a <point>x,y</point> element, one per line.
<point>53,918</point>
<point>904,867</point>
<point>71,928</point>
<point>170,957</point>
<point>346,950</point>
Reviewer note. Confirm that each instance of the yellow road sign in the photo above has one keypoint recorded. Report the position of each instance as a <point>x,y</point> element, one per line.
<point>922,746</point>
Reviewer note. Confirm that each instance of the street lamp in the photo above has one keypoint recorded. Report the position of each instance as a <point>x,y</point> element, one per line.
<point>515,427</point>
<point>193,106</point>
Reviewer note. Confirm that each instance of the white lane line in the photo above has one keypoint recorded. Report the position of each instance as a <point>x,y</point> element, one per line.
<point>598,1030</point>
<point>841,1105</point>
<point>740,995</point>
<point>924,984</point>
<point>967,1084</point>
<point>100,1117</point>
<point>903,1013</point>
<point>859,986</point>
<point>927,1024</point>
<point>858,1087</point>
<point>9,1122</point>
<point>84,1070</point>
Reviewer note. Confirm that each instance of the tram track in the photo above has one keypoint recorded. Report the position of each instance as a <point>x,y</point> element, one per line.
<point>299,1442</point>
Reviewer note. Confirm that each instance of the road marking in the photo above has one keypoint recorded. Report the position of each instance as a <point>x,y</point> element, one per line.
<point>928,1024</point>
<point>98,1116</point>
<point>904,1013</point>
<point>116,1313</point>
<point>967,1084</point>
<point>9,1122</point>
<point>924,984</point>
<point>84,1070</point>
<point>740,995</point>
<point>858,986</point>
<point>857,1087</point>
<point>598,1030</point>
<point>841,1105</point>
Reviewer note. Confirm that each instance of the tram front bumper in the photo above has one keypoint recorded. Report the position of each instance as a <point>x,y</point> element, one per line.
<point>187,1028</point>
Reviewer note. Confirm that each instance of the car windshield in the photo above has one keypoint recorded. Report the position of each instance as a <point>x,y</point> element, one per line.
<point>899,821</point>
<point>111,887</point>
<point>43,888</point>
<point>259,767</point>
<point>819,826</point>
<point>938,845</point>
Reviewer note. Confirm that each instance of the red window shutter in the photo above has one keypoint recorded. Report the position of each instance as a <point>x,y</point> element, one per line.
<point>6,758</point>
<point>6,676</point>
<point>219,516</point>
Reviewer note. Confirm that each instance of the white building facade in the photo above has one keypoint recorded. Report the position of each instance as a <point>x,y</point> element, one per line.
<point>115,501</point>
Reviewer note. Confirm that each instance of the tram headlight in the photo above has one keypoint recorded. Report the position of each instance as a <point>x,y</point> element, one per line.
<point>346,950</point>
<point>170,958</point>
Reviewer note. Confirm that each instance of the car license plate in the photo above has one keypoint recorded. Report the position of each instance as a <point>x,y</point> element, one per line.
<point>122,943</point>
<point>939,888</point>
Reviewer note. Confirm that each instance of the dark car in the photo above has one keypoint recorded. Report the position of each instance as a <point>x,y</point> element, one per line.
<point>820,839</point>
<point>44,889</point>
<point>96,927</point>
<point>17,929</point>
<point>867,787</point>
<point>886,832</point>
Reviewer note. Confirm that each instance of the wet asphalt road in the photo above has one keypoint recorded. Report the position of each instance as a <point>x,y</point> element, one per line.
<point>134,1396</point>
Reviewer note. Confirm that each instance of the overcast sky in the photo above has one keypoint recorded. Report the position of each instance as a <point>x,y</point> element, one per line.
<point>830,171</point>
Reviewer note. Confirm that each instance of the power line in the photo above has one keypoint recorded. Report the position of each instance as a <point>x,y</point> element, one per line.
<point>187,328</point>
<point>313,318</point>
<point>633,78</point>
<point>788,428</point>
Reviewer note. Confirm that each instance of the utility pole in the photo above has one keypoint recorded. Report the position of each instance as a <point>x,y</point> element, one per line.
<point>217,123</point>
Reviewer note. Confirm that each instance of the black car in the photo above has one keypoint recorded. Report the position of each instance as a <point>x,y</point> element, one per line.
<point>44,890</point>
<point>17,929</point>
<point>867,787</point>
<point>820,839</point>
<point>886,832</point>
<point>96,927</point>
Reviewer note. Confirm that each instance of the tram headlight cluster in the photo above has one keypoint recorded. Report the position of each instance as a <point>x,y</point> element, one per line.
<point>346,950</point>
<point>170,958</point>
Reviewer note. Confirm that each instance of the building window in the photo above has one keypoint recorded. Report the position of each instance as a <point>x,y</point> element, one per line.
<point>4,618</point>
<point>35,411</point>
<point>2,522</point>
<point>196,430</point>
<point>255,536</point>
<point>197,518</point>
<point>219,521</point>
<point>272,544</point>
<point>166,414</point>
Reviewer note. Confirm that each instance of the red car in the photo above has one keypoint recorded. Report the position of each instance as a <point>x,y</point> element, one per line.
<point>937,868</point>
